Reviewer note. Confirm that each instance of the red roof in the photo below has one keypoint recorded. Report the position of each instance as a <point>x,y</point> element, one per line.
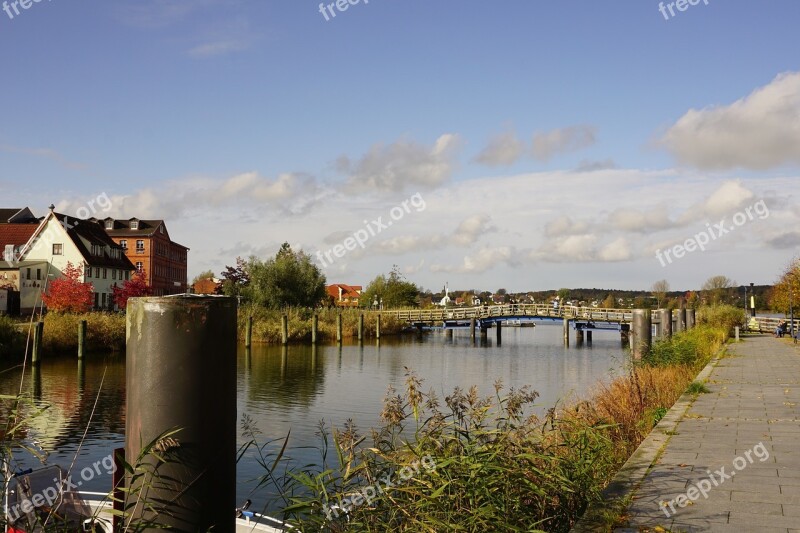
<point>351,292</point>
<point>16,234</point>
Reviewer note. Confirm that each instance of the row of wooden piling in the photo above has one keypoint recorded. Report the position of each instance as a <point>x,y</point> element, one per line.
<point>315,337</point>
<point>38,334</point>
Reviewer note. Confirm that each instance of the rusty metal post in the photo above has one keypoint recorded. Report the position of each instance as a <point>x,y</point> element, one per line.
<point>181,375</point>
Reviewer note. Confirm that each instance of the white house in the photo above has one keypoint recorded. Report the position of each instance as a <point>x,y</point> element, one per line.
<point>60,239</point>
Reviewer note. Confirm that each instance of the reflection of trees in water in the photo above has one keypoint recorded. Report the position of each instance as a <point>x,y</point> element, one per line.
<point>284,376</point>
<point>69,389</point>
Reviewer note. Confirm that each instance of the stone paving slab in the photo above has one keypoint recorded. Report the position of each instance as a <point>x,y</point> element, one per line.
<point>734,460</point>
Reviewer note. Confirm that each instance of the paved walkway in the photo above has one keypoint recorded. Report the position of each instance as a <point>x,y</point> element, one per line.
<point>740,445</point>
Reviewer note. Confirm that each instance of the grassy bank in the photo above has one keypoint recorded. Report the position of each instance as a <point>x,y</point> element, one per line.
<point>105,332</point>
<point>471,463</point>
<point>267,324</point>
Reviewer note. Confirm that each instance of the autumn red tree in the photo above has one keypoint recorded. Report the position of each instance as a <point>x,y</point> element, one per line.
<point>69,294</point>
<point>131,288</point>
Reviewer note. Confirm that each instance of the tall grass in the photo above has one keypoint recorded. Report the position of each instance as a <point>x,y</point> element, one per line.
<point>496,466</point>
<point>104,332</point>
<point>267,323</point>
<point>11,341</point>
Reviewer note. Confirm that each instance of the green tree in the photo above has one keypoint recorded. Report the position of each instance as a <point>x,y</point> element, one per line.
<point>610,302</point>
<point>290,279</point>
<point>660,290</point>
<point>563,294</point>
<point>391,291</point>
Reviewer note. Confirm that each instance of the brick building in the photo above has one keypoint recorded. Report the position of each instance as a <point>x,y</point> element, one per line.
<point>148,246</point>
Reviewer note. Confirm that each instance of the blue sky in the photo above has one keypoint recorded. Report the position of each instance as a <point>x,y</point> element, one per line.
<point>537,132</point>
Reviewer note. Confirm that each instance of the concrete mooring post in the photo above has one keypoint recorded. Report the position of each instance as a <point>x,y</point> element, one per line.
<point>181,375</point>
<point>81,338</point>
<point>690,316</point>
<point>680,320</point>
<point>285,330</point>
<point>665,329</point>
<point>642,332</point>
<point>737,333</point>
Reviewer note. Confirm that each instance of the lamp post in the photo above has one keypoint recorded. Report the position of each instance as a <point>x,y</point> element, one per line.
<point>745,307</point>
<point>753,299</point>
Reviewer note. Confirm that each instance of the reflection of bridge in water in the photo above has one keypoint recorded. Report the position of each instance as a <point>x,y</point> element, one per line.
<point>584,320</point>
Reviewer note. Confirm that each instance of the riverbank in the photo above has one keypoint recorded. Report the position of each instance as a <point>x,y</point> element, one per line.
<point>491,466</point>
<point>267,324</point>
<point>105,332</point>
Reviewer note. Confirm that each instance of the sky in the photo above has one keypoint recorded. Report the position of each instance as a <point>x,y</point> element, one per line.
<point>527,145</point>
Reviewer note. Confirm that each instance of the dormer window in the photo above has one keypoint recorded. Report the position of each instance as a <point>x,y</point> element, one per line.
<point>134,224</point>
<point>110,224</point>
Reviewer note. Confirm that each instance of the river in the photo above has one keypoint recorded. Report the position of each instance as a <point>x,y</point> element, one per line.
<point>293,388</point>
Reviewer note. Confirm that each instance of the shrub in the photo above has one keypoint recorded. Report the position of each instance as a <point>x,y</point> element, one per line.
<point>104,332</point>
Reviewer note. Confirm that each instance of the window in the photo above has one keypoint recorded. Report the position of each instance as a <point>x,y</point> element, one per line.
<point>96,300</point>
<point>104,300</point>
<point>28,273</point>
<point>58,249</point>
<point>127,275</point>
<point>109,224</point>
<point>89,272</point>
<point>139,266</point>
<point>105,273</point>
<point>124,244</point>
<point>161,228</point>
<point>140,245</point>
<point>134,224</point>
<point>97,272</point>
<point>113,273</point>
<point>38,273</point>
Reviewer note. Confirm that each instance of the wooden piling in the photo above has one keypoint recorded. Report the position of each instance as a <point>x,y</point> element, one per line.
<point>499,332</point>
<point>339,328</point>
<point>285,329</point>
<point>566,331</point>
<point>81,338</point>
<point>314,328</point>
<point>472,329</point>
<point>361,327</point>
<point>579,336</point>
<point>38,331</point>
<point>378,327</point>
<point>248,334</point>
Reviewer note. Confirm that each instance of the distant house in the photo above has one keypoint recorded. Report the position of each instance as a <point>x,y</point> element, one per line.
<point>149,247</point>
<point>58,240</point>
<point>345,295</point>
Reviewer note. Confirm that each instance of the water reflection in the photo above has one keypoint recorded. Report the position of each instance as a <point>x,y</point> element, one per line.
<point>290,389</point>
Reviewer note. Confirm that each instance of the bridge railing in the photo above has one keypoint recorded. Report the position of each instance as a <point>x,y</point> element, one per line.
<point>533,310</point>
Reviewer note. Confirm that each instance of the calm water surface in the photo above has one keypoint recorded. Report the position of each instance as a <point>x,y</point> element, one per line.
<point>293,388</point>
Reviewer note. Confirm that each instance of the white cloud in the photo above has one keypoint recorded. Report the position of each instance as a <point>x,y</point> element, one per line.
<point>640,221</point>
<point>758,132</point>
<point>503,149</point>
<point>563,140</point>
<point>481,261</point>
<point>467,233</point>
<point>402,165</point>
<point>617,250</point>
<point>564,225</point>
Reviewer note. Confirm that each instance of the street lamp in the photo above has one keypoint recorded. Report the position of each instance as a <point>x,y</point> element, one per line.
<point>753,299</point>
<point>745,307</point>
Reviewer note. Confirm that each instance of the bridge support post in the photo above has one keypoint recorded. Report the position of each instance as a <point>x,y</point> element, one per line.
<point>589,337</point>
<point>579,337</point>
<point>642,332</point>
<point>499,327</point>
<point>566,331</point>
<point>448,332</point>
<point>624,334</point>
<point>484,332</point>
<point>690,316</point>
<point>472,329</point>
<point>665,328</point>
